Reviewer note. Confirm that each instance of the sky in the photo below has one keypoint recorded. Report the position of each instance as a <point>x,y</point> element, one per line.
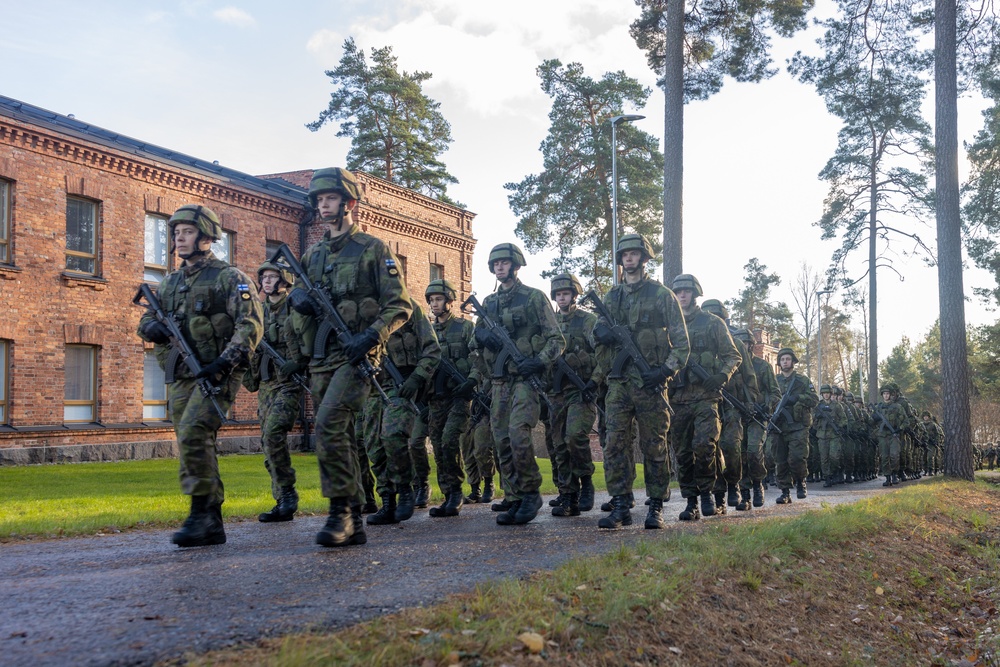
<point>238,82</point>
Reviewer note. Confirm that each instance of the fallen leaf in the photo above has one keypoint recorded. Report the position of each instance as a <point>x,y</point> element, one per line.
<point>533,641</point>
<point>898,619</point>
<point>856,620</point>
<point>419,632</point>
<point>675,649</point>
<point>581,587</point>
<point>878,590</point>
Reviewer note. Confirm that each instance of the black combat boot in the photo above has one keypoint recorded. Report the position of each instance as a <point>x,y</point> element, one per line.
<point>451,505</point>
<point>422,493</point>
<point>474,494</point>
<point>487,496</point>
<point>733,495</point>
<point>609,506</point>
<point>785,498</point>
<point>339,526</point>
<point>620,515</point>
<point>828,482</point>
<point>502,506</point>
<point>744,504</point>
<point>404,504</point>
<point>386,515</point>
<point>285,508</point>
<point>849,478</point>
<point>654,518</point>
<point>506,517</point>
<point>758,494</point>
<point>557,501</point>
<point>586,493</point>
<point>203,527</point>
<point>690,513</point>
<point>370,506</point>
<point>800,490</point>
<point>359,536</point>
<point>888,480</point>
<point>707,504</point>
<point>528,509</point>
<point>569,507</point>
<point>720,503</point>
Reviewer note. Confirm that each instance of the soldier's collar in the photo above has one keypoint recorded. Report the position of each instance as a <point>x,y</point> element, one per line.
<point>195,264</point>
<point>517,283</point>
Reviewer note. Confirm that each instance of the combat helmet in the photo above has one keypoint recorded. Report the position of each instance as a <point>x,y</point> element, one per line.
<point>565,281</point>
<point>281,269</point>
<point>715,307</point>
<point>507,251</point>
<point>201,217</point>
<point>887,388</point>
<point>787,350</point>
<point>687,281</point>
<point>441,286</point>
<point>333,179</point>
<point>826,389</point>
<point>849,396</point>
<point>634,242</point>
<point>837,391</point>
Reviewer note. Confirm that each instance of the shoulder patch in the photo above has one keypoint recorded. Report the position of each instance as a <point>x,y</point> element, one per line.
<point>390,266</point>
<point>244,291</point>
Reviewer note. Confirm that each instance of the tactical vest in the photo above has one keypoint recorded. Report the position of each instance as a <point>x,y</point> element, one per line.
<point>520,321</point>
<point>641,312</point>
<point>454,342</point>
<point>403,347</point>
<point>354,297</point>
<point>199,304</point>
<point>275,320</point>
<point>703,344</point>
<point>577,355</point>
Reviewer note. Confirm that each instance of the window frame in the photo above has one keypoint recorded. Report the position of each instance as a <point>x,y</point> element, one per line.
<point>438,268</point>
<point>93,386</point>
<point>6,203</point>
<point>150,403</point>
<point>146,266</point>
<point>95,238</point>
<point>5,382</point>
<point>229,238</point>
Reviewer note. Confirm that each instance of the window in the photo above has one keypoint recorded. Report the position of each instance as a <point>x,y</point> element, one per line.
<point>154,389</point>
<point>4,365</point>
<point>81,235</point>
<point>223,248</point>
<point>437,272</point>
<point>80,403</point>
<point>272,247</point>
<point>156,249</point>
<point>402,266</point>
<point>4,222</point>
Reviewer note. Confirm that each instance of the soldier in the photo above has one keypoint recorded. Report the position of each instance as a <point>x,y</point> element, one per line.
<point>830,421</point>
<point>931,428</point>
<point>791,446</point>
<point>414,350</point>
<point>653,316</point>
<point>574,409</point>
<point>852,445</point>
<point>279,394</point>
<point>742,385</point>
<point>869,444</point>
<point>421,462</point>
<point>890,420</point>
<point>449,408</point>
<point>526,314</point>
<point>221,321</point>
<point>696,396</point>
<point>754,470</point>
<point>362,278</point>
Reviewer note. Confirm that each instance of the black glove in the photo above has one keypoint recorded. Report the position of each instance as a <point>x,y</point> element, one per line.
<point>792,400</point>
<point>411,387</point>
<point>486,339</point>
<point>603,334</point>
<point>290,368</point>
<point>655,377</point>
<point>360,345</point>
<point>715,382</point>
<point>530,366</point>
<point>590,392</point>
<point>303,303</point>
<point>157,332</point>
<point>218,367</point>
<point>466,389</point>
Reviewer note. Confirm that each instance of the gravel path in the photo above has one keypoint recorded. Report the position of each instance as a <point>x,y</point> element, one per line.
<point>134,598</point>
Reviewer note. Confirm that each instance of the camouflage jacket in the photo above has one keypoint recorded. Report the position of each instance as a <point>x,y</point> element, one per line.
<point>768,393</point>
<point>712,347</point>
<point>526,314</point>
<point>454,334</point>
<point>577,327</point>
<point>805,399</point>
<point>414,348</point>
<point>830,418</point>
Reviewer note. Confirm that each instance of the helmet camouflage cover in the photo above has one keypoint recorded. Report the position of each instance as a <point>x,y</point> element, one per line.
<point>716,307</point>
<point>441,286</point>
<point>565,281</point>
<point>687,281</point>
<point>837,391</point>
<point>281,269</point>
<point>507,251</point>
<point>634,242</point>
<point>825,389</point>
<point>787,350</point>
<point>333,179</point>
<point>201,217</point>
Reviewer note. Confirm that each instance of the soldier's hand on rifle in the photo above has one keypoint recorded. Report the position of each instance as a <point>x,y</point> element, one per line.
<point>655,376</point>
<point>218,367</point>
<point>466,389</point>
<point>590,391</point>
<point>603,334</point>
<point>486,339</point>
<point>303,303</point>
<point>290,368</point>
<point>411,387</point>
<point>361,344</point>
<point>715,382</point>
<point>157,332</point>
<point>530,366</point>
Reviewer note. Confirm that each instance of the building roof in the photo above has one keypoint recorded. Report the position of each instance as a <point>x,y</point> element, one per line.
<point>68,125</point>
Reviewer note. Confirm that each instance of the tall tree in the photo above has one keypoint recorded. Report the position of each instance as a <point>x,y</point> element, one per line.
<point>568,205</point>
<point>695,50</point>
<point>807,283</point>
<point>753,307</point>
<point>397,132</point>
<point>871,76</point>
<point>982,190</point>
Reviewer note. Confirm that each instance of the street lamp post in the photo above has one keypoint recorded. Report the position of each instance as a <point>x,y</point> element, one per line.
<point>614,188</point>
<point>819,337</point>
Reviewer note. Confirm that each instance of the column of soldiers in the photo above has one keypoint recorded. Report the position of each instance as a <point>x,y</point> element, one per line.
<point>668,376</point>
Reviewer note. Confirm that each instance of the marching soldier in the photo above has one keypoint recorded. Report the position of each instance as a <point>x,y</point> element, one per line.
<point>830,421</point>
<point>791,446</point>
<point>221,321</point>
<point>754,469</point>
<point>890,420</point>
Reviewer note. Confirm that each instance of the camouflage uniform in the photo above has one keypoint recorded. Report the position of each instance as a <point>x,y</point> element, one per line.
<point>791,446</point>
<point>889,442</point>
<point>729,461</point>
<point>417,445</point>
<point>754,469</point>
<point>830,421</point>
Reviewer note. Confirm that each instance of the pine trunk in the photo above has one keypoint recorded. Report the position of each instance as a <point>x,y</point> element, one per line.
<point>673,142</point>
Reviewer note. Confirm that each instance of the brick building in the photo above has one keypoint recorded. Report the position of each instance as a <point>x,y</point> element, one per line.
<point>83,216</point>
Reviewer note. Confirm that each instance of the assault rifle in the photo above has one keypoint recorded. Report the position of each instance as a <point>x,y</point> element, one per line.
<point>508,351</point>
<point>331,321</point>
<point>450,371</point>
<point>827,413</point>
<point>885,422</point>
<point>180,350</point>
<point>772,423</point>
<point>392,370</point>
<point>271,354</point>
<point>702,374</point>
<point>627,349</point>
<point>565,371</point>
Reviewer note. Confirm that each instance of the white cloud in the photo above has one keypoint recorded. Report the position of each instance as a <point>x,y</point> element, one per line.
<point>234,16</point>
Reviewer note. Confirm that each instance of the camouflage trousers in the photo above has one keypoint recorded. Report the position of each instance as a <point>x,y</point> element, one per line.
<point>277,409</point>
<point>888,446</point>
<point>514,413</point>
<point>626,402</point>
<point>572,421</point>
<point>447,421</point>
<point>754,469</point>
<point>343,395</point>
<point>729,458</point>
<point>364,465</point>
<point>830,455</point>
<point>849,455</point>
<point>417,445</point>
<point>482,454</point>
<point>694,436</point>
<point>791,455</point>
<point>387,429</point>
<point>814,458</point>
<point>546,419</point>
<point>196,425</point>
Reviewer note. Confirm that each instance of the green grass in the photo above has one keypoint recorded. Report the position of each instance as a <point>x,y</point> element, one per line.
<point>86,498</point>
